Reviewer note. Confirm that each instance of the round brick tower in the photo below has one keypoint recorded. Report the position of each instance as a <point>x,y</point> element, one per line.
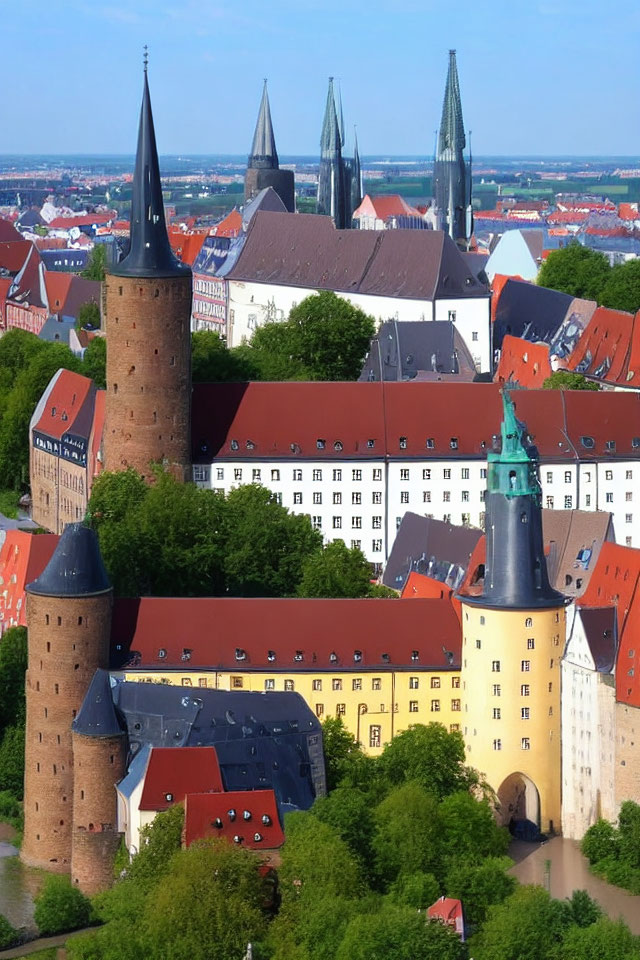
<point>69,621</point>
<point>99,762</point>
<point>148,327</point>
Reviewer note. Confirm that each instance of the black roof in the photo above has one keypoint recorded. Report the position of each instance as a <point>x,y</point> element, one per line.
<point>432,547</point>
<point>263,740</point>
<point>97,716</point>
<point>401,350</point>
<point>528,311</point>
<point>75,569</point>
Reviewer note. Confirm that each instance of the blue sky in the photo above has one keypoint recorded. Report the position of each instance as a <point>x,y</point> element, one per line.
<point>537,76</point>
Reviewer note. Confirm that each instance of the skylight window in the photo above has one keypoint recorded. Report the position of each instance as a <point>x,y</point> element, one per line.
<point>338,445</point>
<point>271,656</point>
<point>235,445</point>
<point>430,443</point>
<point>588,442</point>
<point>240,654</point>
<point>357,656</point>
<point>162,653</point>
<point>321,444</point>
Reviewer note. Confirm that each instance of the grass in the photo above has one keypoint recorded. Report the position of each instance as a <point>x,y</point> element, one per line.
<point>9,503</point>
<point>49,954</point>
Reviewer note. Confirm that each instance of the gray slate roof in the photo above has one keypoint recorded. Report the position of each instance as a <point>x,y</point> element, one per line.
<point>529,311</point>
<point>432,547</point>
<point>409,349</point>
<point>97,716</point>
<point>75,569</point>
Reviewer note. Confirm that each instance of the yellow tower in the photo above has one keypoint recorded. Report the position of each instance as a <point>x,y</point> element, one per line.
<point>513,639</point>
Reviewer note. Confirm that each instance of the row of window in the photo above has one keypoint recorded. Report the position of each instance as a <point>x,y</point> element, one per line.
<point>525,744</point>
<point>525,689</point>
<point>525,713</point>
<point>525,665</point>
<point>414,706</point>
<point>568,476</point>
<point>237,683</point>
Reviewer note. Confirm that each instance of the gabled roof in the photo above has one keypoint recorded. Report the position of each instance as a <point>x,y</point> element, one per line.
<point>287,635</point>
<point>66,406</point>
<point>28,286</point>
<point>420,587</point>
<point>23,557</point>
<point>600,630</point>
<point>385,207</point>
<point>82,220</point>
<point>8,232</point>
<point>450,912</point>
<point>305,250</point>
<point>523,362</point>
<point>229,226</point>
<point>529,311</point>
<point>604,349</point>
<point>173,772</point>
<point>247,818</point>
<point>613,581</point>
<point>403,350</point>
<point>432,547</point>
<point>14,254</point>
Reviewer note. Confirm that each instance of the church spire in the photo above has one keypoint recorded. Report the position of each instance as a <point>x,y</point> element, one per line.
<point>264,155</point>
<point>451,137</point>
<point>452,174</point>
<point>356,178</point>
<point>330,138</point>
<point>150,253</point>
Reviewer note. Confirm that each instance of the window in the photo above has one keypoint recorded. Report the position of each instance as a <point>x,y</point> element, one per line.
<point>496,690</point>
<point>426,496</point>
<point>269,684</point>
<point>404,473</point>
<point>587,500</point>
<point>374,736</point>
<point>524,690</point>
<point>430,443</point>
<point>340,709</point>
<point>356,684</point>
<point>377,473</point>
<point>297,498</point>
<point>356,523</point>
<point>478,644</point>
<point>549,476</point>
<point>525,665</point>
<point>376,523</point>
<point>495,666</point>
<point>567,476</point>
<point>376,546</point>
<point>531,644</point>
<point>609,498</point>
<point>337,498</point>
<point>446,474</point>
<point>497,744</point>
<point>317,498</point>
<point>220,473</point>
<point>628,541</point>
<point>455,683</point>
<point>236,683</point>
<point>628,518</point>
<point>404,496</point>
<point>525,743</point>
<point>337,523</point>
<point>414,683</point>
<point>455,705</point>
<point>200,474</point>
<point>528,622</point>
<point>376,497</point>
<point>451,316</point>
<point>356,544</point>
<point>568,503</point>
<point>464,473</point>
<point>426,474</point>
<point>317,475</point>
<point>496,713</point>
<point>337,475</point>
<point>319,709</point>
<point>629,475</point>
<point>551,688</point>
<point>628,496</point>
<point>297,474</point>
<point>317,684</point>
<point>474,335</point>
<point>237,473</point>
<point>277,498</point>
<point>446,496</point>
<point>465,496</point>
<point>275,475</point>
<point>376,683</point>
<point>435,683</point>
<point>413,706</point>
<point>356,498</point>
<point>608,474</point>
<point>316,522</point>
<point>356,474</point>
<point>524,713</point>
<point>435,706</point>
<point>483,473</point>
<point>288,685</point>
<point>549,503</point>
<point>336,684</point>
<point>402,443</point>
<point>454,728</point>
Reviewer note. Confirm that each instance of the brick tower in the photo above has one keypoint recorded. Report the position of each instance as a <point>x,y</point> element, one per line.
<point>69,620</point>
<point>147,322</point>
<point>99,762</point>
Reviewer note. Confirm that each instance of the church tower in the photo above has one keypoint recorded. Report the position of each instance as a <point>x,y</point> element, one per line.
<point>332,194</point>
<point>148,317</point>
<point>452,174</point>
<point>69,621</point>
<point>513,640</point>
<point>263,168</point>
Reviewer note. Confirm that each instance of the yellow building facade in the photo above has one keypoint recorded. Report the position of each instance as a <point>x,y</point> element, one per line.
<point>511,690</point>
<point>374,705</point>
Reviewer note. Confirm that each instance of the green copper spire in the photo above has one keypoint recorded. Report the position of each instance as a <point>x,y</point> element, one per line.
<point>451,137</point>
<point>513,471</point>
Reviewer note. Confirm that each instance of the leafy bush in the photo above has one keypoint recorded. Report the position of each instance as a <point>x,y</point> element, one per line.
<point>8,934</point>
<point>60,907</point>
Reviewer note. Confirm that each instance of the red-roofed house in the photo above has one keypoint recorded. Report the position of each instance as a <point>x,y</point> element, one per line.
<point>523,362</point>
<point>247,818</point>
<point>383,212</point>
<point>604,349</point>
<point>186,244</point>
<point>8,233</point>
<point>449,912</point>
<point>27,306</point>
<point>229,226</point>
<point>23,557</point>
<point>5,285</point>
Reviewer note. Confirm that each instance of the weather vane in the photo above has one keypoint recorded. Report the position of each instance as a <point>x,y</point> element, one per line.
<point>145,57</point>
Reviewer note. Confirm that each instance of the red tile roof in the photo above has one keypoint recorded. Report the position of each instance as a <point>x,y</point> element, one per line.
<point>449,912</point>
<point>23,557</point>
<point>628,211</point>
<point>614,580</point>
<point>385,207</point>
<point>248,818</point>
<point>83,220</point>
<point>8,232</point>
<point>567,216</point>
<point>66,406</point>
<point>186,246</point>
<point>225,633</point>
<point>173,772</point>
<point>523,362</point>
<point>420,586</point>
<point>14,254</point>
<point>230,226</point>
<point>604,349</point>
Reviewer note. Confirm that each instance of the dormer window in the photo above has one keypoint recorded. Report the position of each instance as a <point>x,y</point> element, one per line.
<point>321,444</point>
<point>453,443</point>
<point>162,653</point>
<point>610,445</point>
<point>587,442</point>
<point>168,797</point>
<point>635,442</point>
<point>266,819</point>
<point>240,654</point>
<point>357,656</point>
<point>250,445</point>
<point>235,445</point>
<point>403,443</point>
<point>415,655</point>
<point>370,444</point>
<point>386,658</point>
<point>257,837</point>
<point>53,411</point>
<point>430,443</point>
<point>299,656</point>
<point>217,823</point>
<point>237,839</point>
<point>333,657</point>
<point>271,656</point>
<point>246,815</point>
<point>186,654</point>
<point>338,445</point>
<point>231,814</point>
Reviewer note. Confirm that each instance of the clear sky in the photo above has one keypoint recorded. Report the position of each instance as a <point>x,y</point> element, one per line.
<point>537,76</point>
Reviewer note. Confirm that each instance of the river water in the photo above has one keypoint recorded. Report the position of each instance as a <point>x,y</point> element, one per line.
<point>18,886</point>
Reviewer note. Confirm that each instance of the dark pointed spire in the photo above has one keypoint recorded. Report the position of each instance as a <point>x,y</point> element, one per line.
<point>356,180</point>
<point>451,137</point>
<point>150,253</point>
<point>75,569</point>
<point>264,155</point>
<point>97,716</point>
<point>330,139</point>
<point>340,117</point>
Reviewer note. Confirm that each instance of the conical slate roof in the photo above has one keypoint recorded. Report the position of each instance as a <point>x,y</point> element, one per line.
<point>330,139</point>
<point>263,154</point>
<point>451,136</point>
<point>97,716</point>
<point>150,253</point>
<point>75,569</point>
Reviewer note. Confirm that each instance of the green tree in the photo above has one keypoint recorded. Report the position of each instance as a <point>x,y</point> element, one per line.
<point>88,316</point>
<point>576,270</point>
<point>208,906</point>
<point>8,934</point>
<point>159,841</point>
<point>469,830</point>
<point>336,571</point>
<point>315,932</point>
<point>348,811</point>
<point>629,833</point>
<point>212,361</point>
<point>600,841</point>
<point>94,362</point>
<point>584,910</point>
<point>315,863</point>
<point>399,933</point>
<point>417,890</point>
<point>17,347</point>
<point>13,666</point>
<point>528,924</point>
<point>12,760</point>
<point>480,886</point>
<point>60,907</point>
<point>344,759</point>
<point>274,353</point>
<point>407,837</point>
<point>331,336</point>
<point>95,268</point>
<point>622,288</point>
<point>428,755</point>
<point>604,939</point>
<point>567,380</point>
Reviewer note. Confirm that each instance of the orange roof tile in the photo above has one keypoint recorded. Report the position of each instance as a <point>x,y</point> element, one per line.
<point>67,400</point>
<point>23,557</point>
<point>604,349</point>
<point>173,772</point>
<point>248,818</point>
<point>523,362</point>
<point>230,226</point>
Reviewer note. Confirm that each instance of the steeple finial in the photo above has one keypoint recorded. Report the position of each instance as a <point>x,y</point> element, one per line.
<point>150,253</point>
<point>264,155</point>
<point>145,58</point>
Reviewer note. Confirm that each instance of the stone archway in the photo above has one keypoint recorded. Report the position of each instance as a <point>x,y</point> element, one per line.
<point>518,799</point>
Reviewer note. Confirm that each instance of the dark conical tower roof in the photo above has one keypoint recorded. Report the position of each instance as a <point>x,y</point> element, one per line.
<point>75,569</point>
<point>97,716</point>
<point>330,139</point>
<point>264,155</point>
<point>150,253</point>
<point>451,136</point>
